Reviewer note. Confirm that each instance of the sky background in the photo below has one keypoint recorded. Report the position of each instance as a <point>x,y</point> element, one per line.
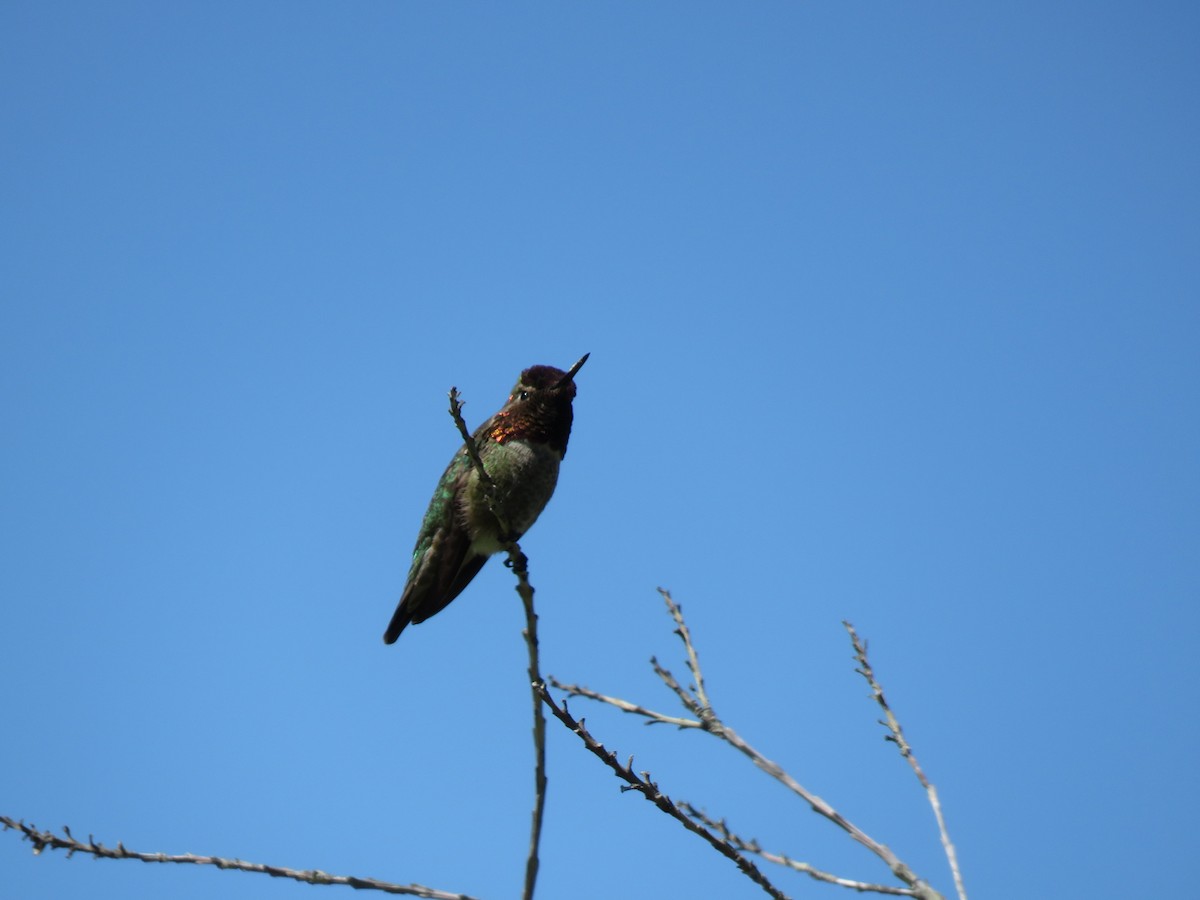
<point>893,312</point>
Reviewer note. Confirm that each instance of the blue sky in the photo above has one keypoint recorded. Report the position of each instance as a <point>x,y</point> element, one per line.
<point>893,313</point>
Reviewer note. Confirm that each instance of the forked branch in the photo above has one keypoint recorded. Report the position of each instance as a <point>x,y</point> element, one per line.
<point>694,698</point>
<point>650,791</point>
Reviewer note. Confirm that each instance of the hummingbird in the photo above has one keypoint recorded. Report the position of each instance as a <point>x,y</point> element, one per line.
<point>521,448</point>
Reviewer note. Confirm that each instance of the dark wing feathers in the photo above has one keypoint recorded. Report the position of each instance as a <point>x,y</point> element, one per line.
<point>444,571</point>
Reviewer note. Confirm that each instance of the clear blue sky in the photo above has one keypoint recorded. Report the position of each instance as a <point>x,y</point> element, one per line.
<point>894,314</point>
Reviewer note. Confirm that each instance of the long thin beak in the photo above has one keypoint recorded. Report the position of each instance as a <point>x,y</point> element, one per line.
<point>571,371</point>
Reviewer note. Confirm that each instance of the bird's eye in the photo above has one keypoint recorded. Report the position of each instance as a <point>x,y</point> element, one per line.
<point>522,395</point>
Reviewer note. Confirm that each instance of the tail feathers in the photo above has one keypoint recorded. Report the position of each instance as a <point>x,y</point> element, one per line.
<point>400,618</point>
<point>422,599</point>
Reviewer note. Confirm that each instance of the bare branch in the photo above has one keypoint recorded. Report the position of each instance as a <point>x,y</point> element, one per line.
<point>681,629</point>
<point>652,717</point>
<point>519,563</point>
<point>649,790</point>
<point>714,725</point>
<point>42,840</point>
<point>897,737</point>
<point>696,702</point>
<point>485,479</point>
<point>752,846</point>
<point>468,441</point>
<point>691,703</point>
<point>821,807</point>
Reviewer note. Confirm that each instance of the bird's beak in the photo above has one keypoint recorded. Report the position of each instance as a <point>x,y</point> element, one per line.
<point>570,376</point>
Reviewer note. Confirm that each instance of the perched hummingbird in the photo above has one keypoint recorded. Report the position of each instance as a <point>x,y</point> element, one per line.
<point>521,448</point>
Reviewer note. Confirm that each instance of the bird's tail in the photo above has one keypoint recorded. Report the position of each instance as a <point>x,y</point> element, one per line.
<point>400,618</point>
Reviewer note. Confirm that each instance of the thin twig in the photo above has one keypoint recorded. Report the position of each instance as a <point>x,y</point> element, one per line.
<point>468,441</point>
<point>485,479</point>
<point>519,563</point>
<point>649,790</point>
<point>821,807</point>
<point>752,846</point>
<point>652,717</point>
<point>897,737</point>
<point>520,566</point>
<point>681,629</point>
<point>42,840</point>
<point>689,701</point>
